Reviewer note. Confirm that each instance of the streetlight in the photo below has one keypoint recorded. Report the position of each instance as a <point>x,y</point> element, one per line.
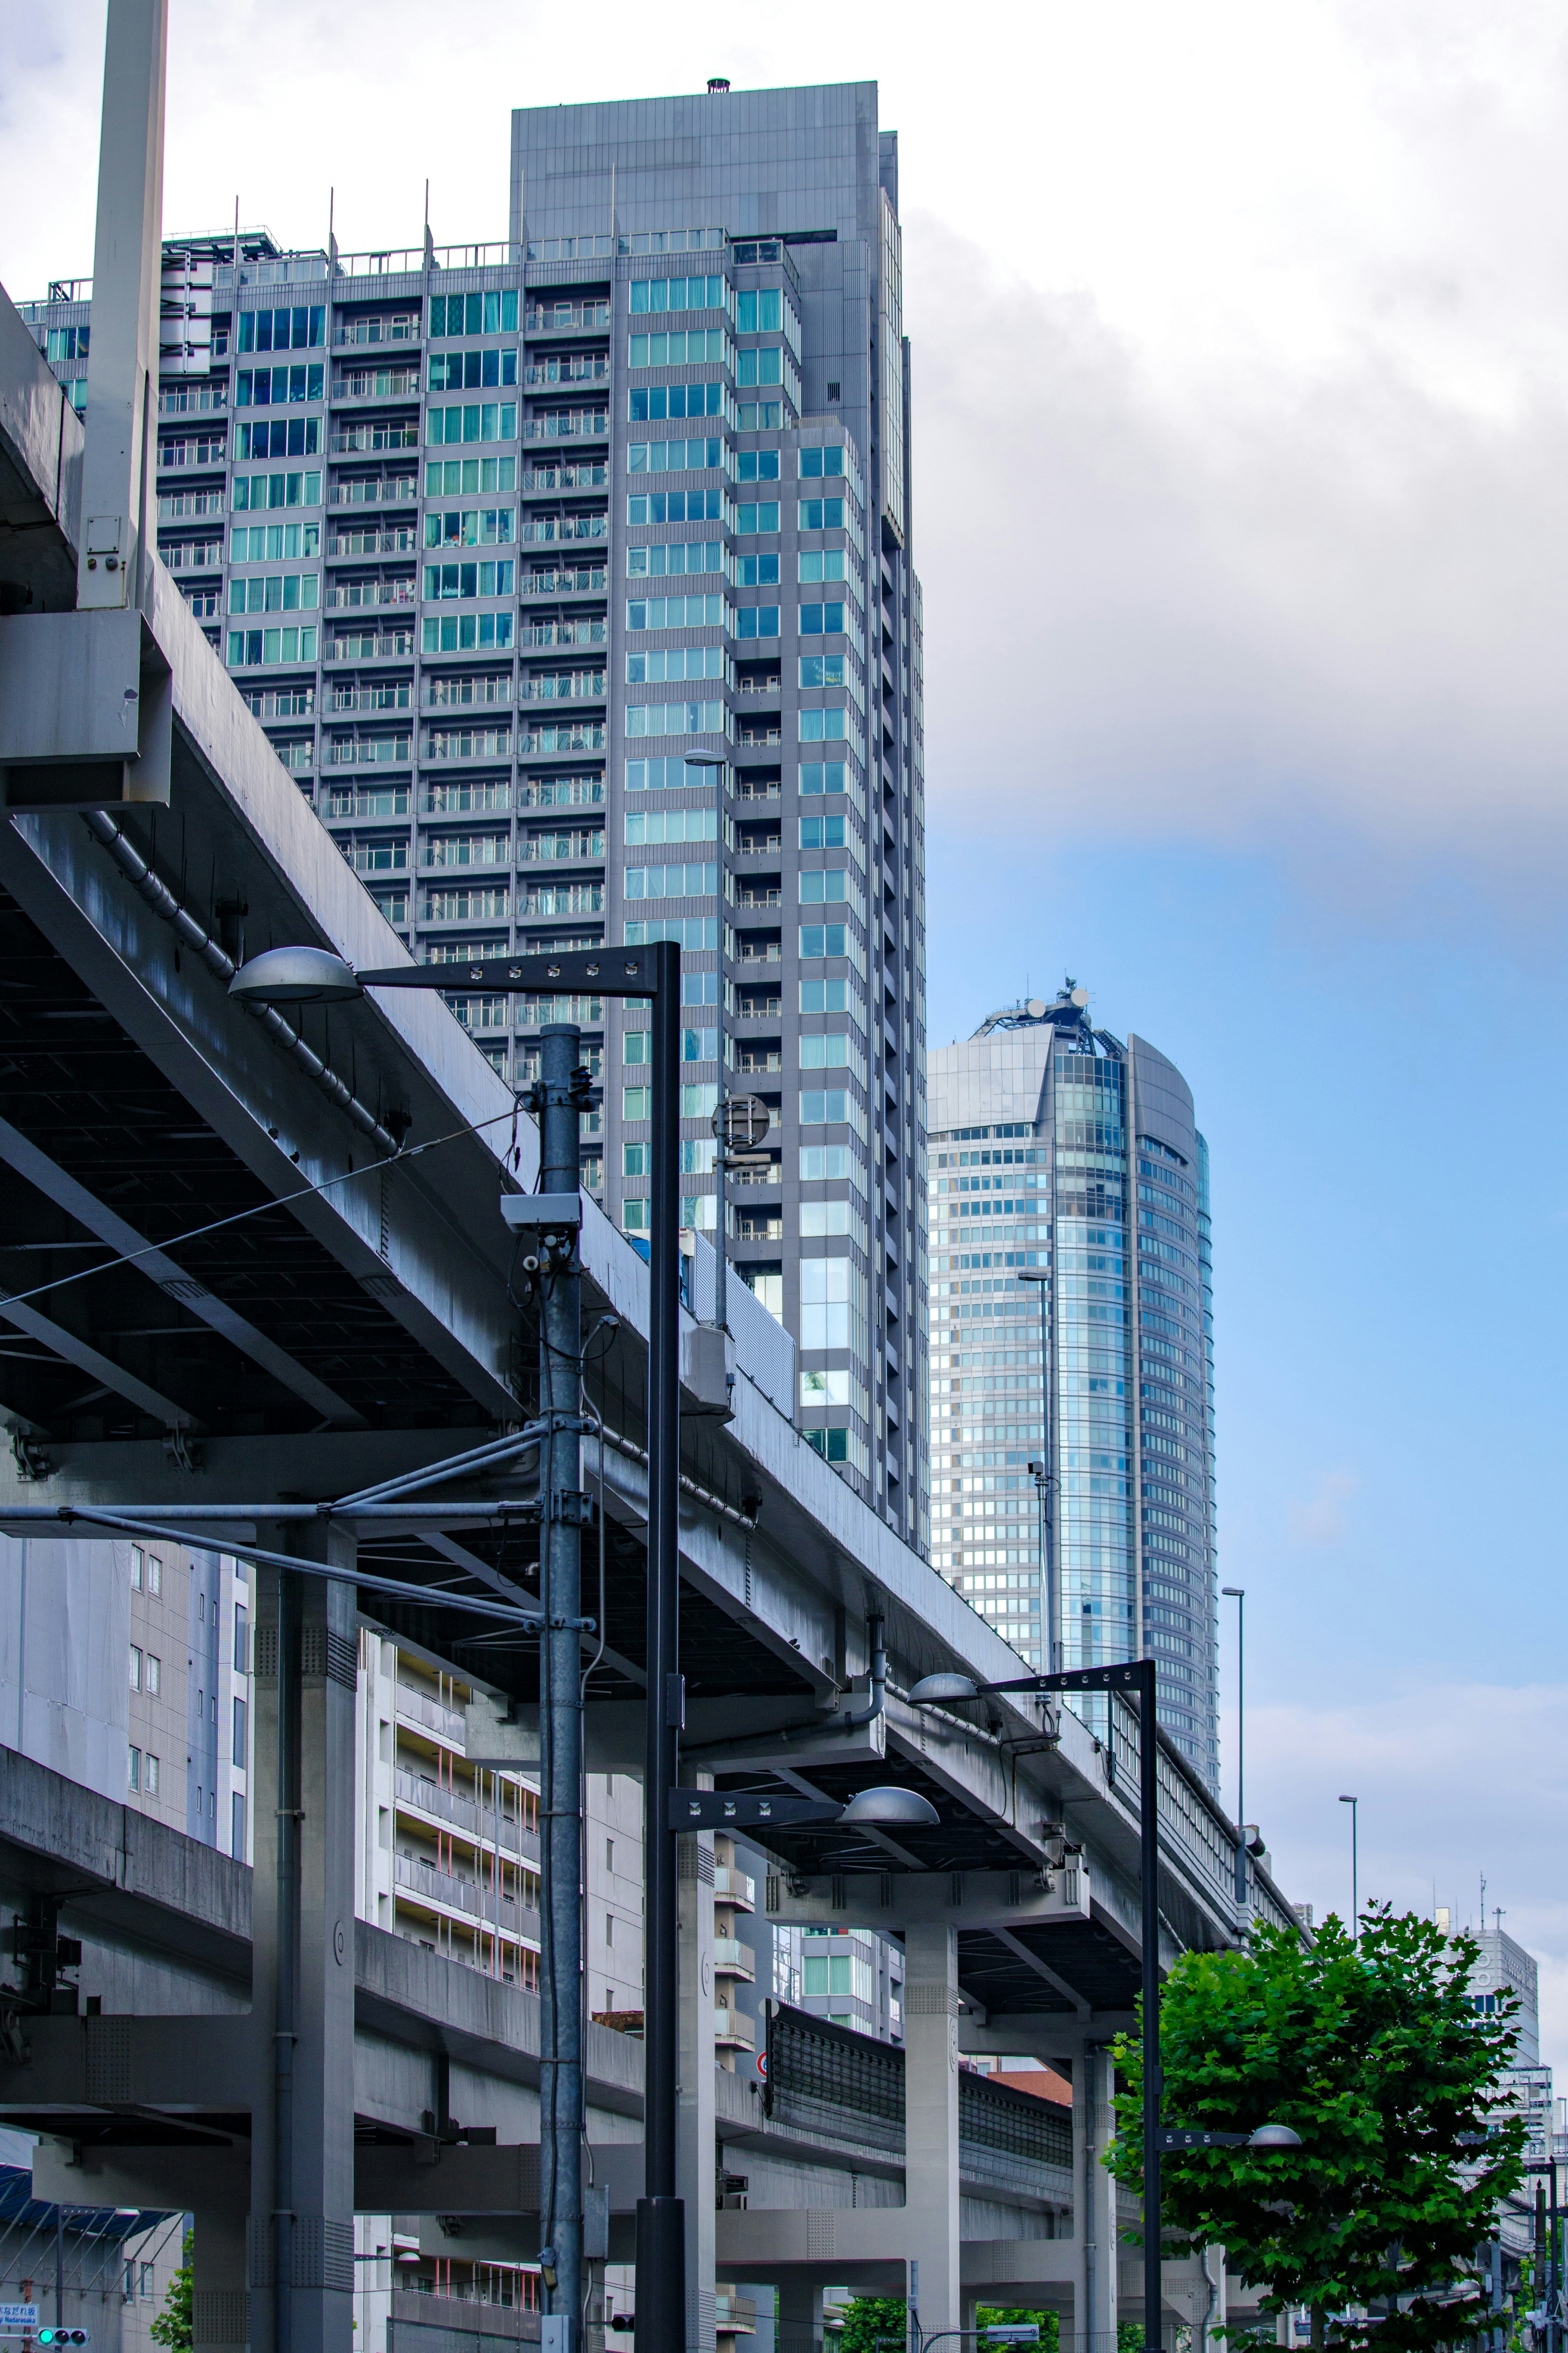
<point>1356,1880</point>
<point>1041,1472</point>
<point>306,975</point>
<point>879,1808</point>
<point>1135,1675</point>
<point>1238,1593</point>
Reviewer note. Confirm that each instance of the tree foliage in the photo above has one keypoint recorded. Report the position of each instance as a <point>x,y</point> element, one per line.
<point>1376,2056</point>
<point>868,2317</point>
<point>172,2326</point>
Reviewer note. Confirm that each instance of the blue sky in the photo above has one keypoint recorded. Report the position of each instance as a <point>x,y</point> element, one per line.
<point>1240,478</point>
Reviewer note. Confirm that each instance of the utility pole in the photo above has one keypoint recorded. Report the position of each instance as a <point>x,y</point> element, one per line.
<point>558,1101</point>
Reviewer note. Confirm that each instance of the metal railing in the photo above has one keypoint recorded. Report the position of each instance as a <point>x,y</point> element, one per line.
<point>566,369</point>
<point>363,595</point>
<point>343,751</point>
<point>550,318</point>
<point>359,332</point>
<point>580,580</point>
<point>465,1813</point>
<point>466,743</point>
<point>375,493</point>
<point>378,384</point>
<point>564,633</point>
<point>458,1894</point>
<point>396,646</point>
<point>370,438</point>
<point>541,530</point>
<point>198,555</point>
<point>403,541</point>
<point>462,693</point>
<point>575,686</point>
<point>397,695</point>
<point>566,425</point>
<point>192,400</point>
<point>574,474</point>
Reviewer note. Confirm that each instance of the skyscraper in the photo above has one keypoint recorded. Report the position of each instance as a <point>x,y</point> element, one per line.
<point>570,577</point>
<point>1072,1329</point>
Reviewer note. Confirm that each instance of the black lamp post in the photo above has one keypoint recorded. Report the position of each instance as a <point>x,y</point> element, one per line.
<point>306,976</point>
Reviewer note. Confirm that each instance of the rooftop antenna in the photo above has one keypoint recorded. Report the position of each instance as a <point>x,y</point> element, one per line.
<point>429,248</point>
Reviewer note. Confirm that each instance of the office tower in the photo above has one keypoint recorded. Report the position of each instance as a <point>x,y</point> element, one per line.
<point>570,575</point>
<point>1072,1327</point>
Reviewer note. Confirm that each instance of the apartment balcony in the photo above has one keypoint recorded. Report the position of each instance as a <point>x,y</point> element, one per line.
<point>578,686</point>
<point>377,384</point>
<point>758,947</point>
<point>200,556</point>
<point>371,595</point>
<point>548,318</point>
<point>758,895</point>
<point>769,1174</point>
<point>571,474</point>
<point>365,438</point>
<point>754,734</point>
<point>560,848</point>
<point>466,1897</point>
<point>733,1959</point>
<point>342,752</point>
<point>564,633</point>
<point>466,743</point>
<point>544,531</point>
<point>731,2031</point>
<point>298,758</point>
<point>568,425</point>
<point>382,857</point>
<point>732,1886</point>
<point>398,694</point>
<point>193,400</point>
<point>204,450</point>
<point>751,1060</point>
<point>735,2315</point>
<point>362,646</point>
<point>430,1800</point>
<point>403,539</point>
<point>485,853</point>
<point>177,504</point>
<point>759,1225</point>
<point>570,735</point>
<point>359,335</point>
<point>384,491</point>
<point>466,694</point>
<point>207,604</point>
<point>281,702</point>
<point>578,580</point>
<point>418,1707</point>
<point>588,369</point>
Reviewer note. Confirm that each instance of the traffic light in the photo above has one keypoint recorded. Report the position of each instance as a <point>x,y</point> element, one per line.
<point>62,2336</point>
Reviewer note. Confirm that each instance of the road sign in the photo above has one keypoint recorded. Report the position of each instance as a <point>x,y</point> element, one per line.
<point>741,1123</point>
<point>18,2316</point>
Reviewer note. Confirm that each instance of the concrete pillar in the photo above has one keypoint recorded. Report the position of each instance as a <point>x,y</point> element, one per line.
<point>1094,2204</point>
<point>219,2315</point>
<point>930,2121</point>
<point>799,2326</point>
<point>301,2237</point>
<point>696,2141</point>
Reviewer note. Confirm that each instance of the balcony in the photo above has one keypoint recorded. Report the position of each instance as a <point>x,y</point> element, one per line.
<point>735,2315</point>
<point>542,530</point>
<point>733,1959</point>
<point>465,693</point>
<point>398,694</point>
<point>423,1878</point>
<point>466,743</point>
<point>758,895</point>
<point>571,474</point>
<point>359,333</point>
<point>564,633</point>
<point>281,702</point>
<point>569,368</point>
<point>177,504</point>
<point>365,596</point>
<point>448,1806</point>
<point>296,758</point>
<point>199,555</point>
<point>344,751</point>
<point>403,539</point>
<point>759,1225</point>
<point>207,604</point>
<point>570,736</point>
<point>732,1886</point>
<point>206,450</point>
<point>463,852</point>
<point>754,788</point>
<point>567,425</point>
<point>752,735</point>
<point>193,400</point>
<point>757,947</point>
<point>752,1058</point>
<point>377,384</point>
<point>556,318</point>
<point>768,1175</point>
<point>731,2031</point>
<point>418,1707</point>
<point>568,686</point>
<point>368,437</point>
<point>578,581</point>
<point>391,645</point>
<point>537,848</point>
<point>382,491</point>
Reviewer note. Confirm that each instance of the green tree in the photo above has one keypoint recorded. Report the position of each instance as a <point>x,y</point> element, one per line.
<point>172,2326</point>
<point>866,2317</point>
<point>1376,2056</point>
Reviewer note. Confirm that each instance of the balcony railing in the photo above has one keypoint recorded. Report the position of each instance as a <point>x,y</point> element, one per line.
<point>359,332</point>
<point>403,540</point>
<point>574,581</point>
<point>204,603</point>
<point>448,1806</point>
<point>381,857</point>
<point>753,732</point>
<point>206,449</point>
<point>382,491</point>
<point>732,1886</point>
<point>571,474</point>
<point>297,756</point>
<point>564,633</point>
<point>465,850</point>
<point>356,595</point>
<point>466,743</point>
<point>536,848</point>
<point>758,895</point>
<point>420,1708</point>
<point>548,318</point>
<point>588,369</point>
<point>464,693</point>
<point>458,1894</point>
<point>391,645</point>
<point>730,2027</point>
<point>373,436</point>
<point>539,530</point>
<point>344,753</point>
<point>198,555</point>
<point>753,950</point>
<point>567,425</point>
<point>771,1175</point>
<point>570,736</point>
<point>192,400</point>
<point>377,384</point>
<point>570,686</point>
<point>176,504</point>
<point>733,1959</point>
<point>398,694</point>
<point>282,702</point>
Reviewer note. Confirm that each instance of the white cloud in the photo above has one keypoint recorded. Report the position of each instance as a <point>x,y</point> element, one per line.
<point>1454,1781</point>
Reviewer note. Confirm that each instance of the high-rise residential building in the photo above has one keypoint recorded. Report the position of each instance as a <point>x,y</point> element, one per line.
<point>1071,1328</point>
<point>570,577</point>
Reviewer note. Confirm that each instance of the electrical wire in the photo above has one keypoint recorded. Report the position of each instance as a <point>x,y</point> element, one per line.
<point>257,1209</point>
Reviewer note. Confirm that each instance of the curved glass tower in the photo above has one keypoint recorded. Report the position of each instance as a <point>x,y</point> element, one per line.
<point>1072,1351</point>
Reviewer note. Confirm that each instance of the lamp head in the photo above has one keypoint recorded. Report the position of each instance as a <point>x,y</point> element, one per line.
<point>891,1809</point>
<point>1274,2137</point>
<point>1234,1592</point>
<point>1349,1802</point>
<point>295,976</point>
<point>931,1691</point>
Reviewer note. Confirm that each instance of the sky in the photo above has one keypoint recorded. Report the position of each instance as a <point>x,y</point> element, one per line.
<point>1240,495</point>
